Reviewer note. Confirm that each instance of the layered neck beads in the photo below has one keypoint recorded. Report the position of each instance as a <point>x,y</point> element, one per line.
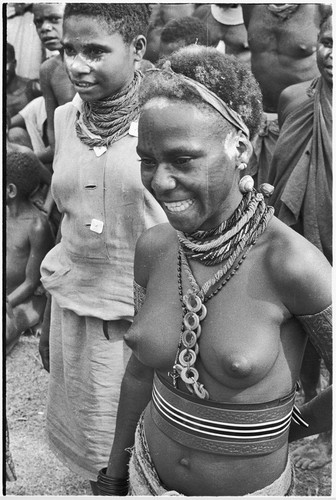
<point>228,244</point>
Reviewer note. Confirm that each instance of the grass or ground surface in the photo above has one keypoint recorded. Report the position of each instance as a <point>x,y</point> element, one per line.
<point>38,471</point>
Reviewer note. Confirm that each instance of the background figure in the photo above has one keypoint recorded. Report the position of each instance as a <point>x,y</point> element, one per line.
<point>282,39</point>
<point>28,239</point>
<point>301,171</point>
<point>226,29</point>
<point>97,188</point>
<point>19,90</point>
<point>22,35</point>
<point>180,32</point>
<point>55,84</point>
<point>29,127</point>
<point>160,15</point>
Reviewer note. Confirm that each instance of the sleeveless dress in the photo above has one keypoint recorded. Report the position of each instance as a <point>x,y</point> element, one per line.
<point>89,275</point>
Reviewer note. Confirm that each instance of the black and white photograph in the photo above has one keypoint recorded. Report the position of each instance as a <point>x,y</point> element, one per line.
<point>168,224</point>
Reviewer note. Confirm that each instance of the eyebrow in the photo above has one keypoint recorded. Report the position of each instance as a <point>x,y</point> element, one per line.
<point>175,151</point>
<point>87,46</point>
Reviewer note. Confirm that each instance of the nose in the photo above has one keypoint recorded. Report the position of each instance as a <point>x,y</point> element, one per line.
<point>46,26</point>
<point>79,66</point>
<point>163,180</point>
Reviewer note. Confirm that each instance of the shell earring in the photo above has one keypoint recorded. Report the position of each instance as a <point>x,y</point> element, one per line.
<point>246,184</point>
<point>242,166</point>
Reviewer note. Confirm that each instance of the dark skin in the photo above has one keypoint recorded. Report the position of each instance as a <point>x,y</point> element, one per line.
<point>28,239</point>
<point>251,344</point>
<point>282,51</point>
<point>55,84</point>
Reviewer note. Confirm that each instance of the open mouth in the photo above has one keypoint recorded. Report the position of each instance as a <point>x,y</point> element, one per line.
<point>178,206</point>
<point>83,85</point>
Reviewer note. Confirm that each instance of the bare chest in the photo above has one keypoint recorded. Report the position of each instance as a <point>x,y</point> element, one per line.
<point>239,339</point>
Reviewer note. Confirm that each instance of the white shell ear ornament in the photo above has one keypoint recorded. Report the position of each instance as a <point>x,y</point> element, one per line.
<point>242,166</point>
<point>167,66</point>
<point>246,184</point>
<point>266,189</point>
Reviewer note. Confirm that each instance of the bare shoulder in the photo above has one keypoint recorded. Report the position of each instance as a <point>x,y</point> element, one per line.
<point>49,66</point>
<point>299,271</point>
<point>151,248</point>
<point>39,227</point>
<point>290,98</point>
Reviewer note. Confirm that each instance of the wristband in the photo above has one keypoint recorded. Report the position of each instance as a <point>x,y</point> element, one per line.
<point>110,486</point>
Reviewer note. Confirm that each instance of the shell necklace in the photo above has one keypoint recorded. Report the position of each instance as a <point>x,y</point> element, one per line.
<point>193,302</point>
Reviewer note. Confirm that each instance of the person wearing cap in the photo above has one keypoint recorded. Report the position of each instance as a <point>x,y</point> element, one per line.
<point>226,29</point>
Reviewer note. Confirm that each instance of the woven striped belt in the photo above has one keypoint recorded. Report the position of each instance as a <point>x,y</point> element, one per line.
<point>226,429</point>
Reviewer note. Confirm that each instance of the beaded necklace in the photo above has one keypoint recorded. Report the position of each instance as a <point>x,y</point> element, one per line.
<point>193,302</point>
<point>109,119</point>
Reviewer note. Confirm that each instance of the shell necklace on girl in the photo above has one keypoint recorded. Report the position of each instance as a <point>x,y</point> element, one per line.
<point>227,244</point>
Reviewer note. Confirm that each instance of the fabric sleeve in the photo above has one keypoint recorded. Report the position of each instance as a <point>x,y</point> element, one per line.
<point>319,329</point>
<point>139,293</point>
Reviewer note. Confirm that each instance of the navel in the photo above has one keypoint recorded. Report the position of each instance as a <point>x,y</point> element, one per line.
<point>185,462</point>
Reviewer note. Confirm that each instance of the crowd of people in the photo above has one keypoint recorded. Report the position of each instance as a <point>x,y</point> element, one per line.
<point>166,155</point>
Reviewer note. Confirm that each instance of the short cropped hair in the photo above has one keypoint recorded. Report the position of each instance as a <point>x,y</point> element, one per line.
<point>326,16</point>
<point>224,75</point>
<point>128,19</point>
<point>187,29</point>
<point>22,169</point>
<point>10,52</point>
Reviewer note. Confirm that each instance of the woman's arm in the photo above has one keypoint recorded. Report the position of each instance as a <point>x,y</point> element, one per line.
<point>135,394</point>
<point>305,286</point>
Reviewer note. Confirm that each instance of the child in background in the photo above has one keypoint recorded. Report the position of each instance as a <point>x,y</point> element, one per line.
<point>55,84</point>
<point>28,239</point>
<point>178,33</point>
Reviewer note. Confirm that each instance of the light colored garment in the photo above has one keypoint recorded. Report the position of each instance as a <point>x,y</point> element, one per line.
<point>35,117</point>
<point>144,480</point>
<point>22,34</point>
<point>105,209</point>
<point>89,275</point>
<point>301,170</point>
<point>86,370</point>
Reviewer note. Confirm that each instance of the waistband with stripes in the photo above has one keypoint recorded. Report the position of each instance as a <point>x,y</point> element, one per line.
<point>226,429</point>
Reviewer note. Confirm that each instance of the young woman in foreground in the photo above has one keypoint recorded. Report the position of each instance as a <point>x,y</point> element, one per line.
<point>226,297</point>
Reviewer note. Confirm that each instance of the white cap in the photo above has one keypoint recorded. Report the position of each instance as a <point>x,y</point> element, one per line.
<point>227,15</point>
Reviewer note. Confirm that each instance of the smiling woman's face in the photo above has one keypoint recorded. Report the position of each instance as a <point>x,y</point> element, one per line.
<point>186,165</point>
<point>99,63</point>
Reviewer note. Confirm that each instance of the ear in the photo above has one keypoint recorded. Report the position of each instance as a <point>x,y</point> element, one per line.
<point>11,190</point>
<point>244,148</point>
<point>139,43</point>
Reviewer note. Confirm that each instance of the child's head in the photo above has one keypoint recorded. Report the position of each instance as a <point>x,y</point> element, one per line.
<point>181,32</point>
<point>48,20</point>
<point>22,174</point>
<point>102,42</point>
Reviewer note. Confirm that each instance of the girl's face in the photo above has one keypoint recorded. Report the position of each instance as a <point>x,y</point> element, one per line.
<point>188,168</point>
<point>99,63</point>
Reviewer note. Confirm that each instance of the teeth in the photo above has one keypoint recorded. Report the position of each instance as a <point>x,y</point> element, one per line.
<point>178,206</point>
<point>84,85</point>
